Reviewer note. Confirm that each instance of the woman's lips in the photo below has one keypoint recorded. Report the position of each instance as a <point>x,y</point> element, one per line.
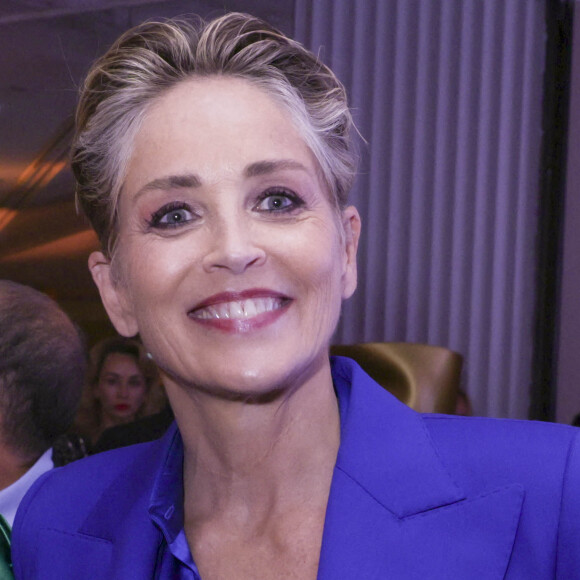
<point>122,407</point>
<point>240,311</point>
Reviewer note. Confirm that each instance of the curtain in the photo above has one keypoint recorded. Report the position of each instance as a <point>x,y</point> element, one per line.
<point>448,96</point>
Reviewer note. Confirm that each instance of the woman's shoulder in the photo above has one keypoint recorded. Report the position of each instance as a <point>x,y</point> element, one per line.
<point>498,433</point>
<point>505,449</point>
<point>68,494</point>
<point>76,509</point>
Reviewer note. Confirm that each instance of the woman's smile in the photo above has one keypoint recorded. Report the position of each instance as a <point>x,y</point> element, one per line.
<point>231,254</point>
<point>241,311</point>
<point>238,310</point>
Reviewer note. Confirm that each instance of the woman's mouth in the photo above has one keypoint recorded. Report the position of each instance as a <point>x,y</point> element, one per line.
<point>240,312</point>
<point>122,407</point>
<point>240,309</point>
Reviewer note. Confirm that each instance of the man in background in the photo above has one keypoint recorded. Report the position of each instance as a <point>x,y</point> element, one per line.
<point>42,367</point>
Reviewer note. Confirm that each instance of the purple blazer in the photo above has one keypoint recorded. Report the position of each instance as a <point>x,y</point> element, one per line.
<point>412,497</point>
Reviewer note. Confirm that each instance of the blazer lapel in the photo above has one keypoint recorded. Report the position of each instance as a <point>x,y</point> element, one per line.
<point>117,540</point>
<point>121,517</point>
<point>394,511</point>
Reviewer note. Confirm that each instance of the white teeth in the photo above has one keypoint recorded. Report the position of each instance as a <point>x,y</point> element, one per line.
<point>239,309</point>
<point>236,310</point>
<point>250,308</point>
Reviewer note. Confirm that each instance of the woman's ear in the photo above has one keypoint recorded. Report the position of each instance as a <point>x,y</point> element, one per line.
<point>351,226</point>
<point>113,295</point>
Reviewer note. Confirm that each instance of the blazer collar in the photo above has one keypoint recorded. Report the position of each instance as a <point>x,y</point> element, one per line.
<point>386,448</point>
<point>406,477</point>
<point>393,510</point>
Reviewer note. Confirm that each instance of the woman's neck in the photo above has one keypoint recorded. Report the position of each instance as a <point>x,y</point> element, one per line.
<point>250,457</point>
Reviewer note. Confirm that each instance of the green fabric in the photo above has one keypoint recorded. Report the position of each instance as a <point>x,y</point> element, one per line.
<point>5,559</point>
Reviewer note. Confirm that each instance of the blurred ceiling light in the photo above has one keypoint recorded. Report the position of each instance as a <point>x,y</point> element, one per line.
<point>10,171</point>
<point>15,175</point>
<point>67,247</point>
<point>43,171</point>
<point>6,216</point>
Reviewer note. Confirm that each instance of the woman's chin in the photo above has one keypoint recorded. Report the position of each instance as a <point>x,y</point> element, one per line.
<point>122,418</point>
<point>249,387</point>
<point>261,382</point>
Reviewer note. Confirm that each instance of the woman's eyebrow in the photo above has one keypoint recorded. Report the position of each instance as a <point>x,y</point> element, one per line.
<point>185,181</point>
<point>191,180</point>
<point>267,166</point>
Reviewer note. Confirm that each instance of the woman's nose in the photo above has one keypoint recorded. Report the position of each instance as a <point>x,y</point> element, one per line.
<point>233,247</point>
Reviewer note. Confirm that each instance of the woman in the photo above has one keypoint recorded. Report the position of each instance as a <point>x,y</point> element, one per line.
<point>122,386</point>
<point>214,162</point>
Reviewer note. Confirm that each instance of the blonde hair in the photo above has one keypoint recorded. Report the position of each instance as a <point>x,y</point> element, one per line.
<point>150,59</point>
<point>89,417</point>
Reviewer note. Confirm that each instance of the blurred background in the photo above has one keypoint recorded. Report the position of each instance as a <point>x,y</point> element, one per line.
<point>468,185</point>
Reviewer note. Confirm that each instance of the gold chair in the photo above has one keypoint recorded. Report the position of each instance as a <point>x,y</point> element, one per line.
<point>422,376</point>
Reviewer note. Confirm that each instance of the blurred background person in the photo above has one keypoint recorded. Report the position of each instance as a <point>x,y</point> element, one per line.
<point>141,430</point>
<point>42,367</point>
<point>122,385</point>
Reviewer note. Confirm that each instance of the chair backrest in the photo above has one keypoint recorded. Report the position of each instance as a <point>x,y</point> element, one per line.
<point>422,376</point>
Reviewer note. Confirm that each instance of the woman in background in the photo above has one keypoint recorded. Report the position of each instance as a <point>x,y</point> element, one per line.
<point>122,385</point>
<point>214,161</point>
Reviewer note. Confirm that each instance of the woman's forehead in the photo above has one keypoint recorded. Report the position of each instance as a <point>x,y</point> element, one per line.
<point>212,128</point>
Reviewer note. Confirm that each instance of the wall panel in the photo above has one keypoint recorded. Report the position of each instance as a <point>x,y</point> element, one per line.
<point>448,95</point>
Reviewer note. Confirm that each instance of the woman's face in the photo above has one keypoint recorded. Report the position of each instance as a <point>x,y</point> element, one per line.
<point>121,389</point>
<point>232,262</point>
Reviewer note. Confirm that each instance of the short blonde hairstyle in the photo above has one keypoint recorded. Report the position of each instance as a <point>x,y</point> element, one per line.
<point>148,60</point>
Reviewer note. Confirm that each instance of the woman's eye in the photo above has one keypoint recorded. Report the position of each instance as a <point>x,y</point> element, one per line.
<point>273,202</point>
<point>171,216</point>
<point>175,217</point>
